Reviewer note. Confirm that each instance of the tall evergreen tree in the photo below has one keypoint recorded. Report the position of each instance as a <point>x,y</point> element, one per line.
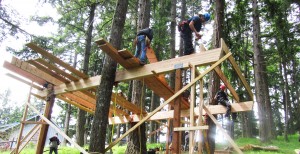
<point>137,138</point>
<point>261,84</point>
<point>104,91</point>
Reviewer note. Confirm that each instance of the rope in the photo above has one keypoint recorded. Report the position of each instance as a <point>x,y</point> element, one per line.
<point>141,105</point>
<point>113,125</point>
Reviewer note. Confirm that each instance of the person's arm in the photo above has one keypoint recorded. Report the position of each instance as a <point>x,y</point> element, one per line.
<point>192,27</point>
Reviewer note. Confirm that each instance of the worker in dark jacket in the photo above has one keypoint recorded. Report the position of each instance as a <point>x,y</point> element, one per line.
<point>142,41</point>
<point>54,142</point>
<point>186,29</point>
<point>222,98</point>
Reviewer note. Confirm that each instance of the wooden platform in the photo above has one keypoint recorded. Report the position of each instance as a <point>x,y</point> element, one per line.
<point>78,89</point>
<point>128,61</point>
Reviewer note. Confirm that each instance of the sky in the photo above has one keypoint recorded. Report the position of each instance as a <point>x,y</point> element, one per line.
<point>24,9</point>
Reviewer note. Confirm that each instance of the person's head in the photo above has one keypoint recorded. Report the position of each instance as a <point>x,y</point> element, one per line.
<point>204,17</point>
<point>222,87</point>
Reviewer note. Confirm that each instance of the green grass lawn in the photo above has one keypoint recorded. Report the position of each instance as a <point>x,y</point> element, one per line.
<point>284,147</point>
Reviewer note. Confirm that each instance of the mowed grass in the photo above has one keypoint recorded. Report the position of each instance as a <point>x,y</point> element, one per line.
<point>284,147</point>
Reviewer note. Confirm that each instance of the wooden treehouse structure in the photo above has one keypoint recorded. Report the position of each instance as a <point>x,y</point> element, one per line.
<point>64,82</point>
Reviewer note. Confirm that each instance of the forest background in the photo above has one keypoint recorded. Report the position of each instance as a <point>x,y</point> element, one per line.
<point>274,46</point>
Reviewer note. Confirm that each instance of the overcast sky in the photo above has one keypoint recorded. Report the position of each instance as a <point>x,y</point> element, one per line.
<point>24,9</point>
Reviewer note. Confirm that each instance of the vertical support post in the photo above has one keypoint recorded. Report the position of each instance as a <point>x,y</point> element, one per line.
<point>192,114</point>
<point>169,128</point>
<point>176,139</point>
<point>47,113</point>
<point>23,119</point>
<point>200,123</point>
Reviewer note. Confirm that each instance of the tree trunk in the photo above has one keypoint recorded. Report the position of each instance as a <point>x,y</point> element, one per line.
<point>69,108</point>
<point>261,85</point>
<point>137,138</point>
<point>214,79</point>
<point>104,90</point>
<point>67,122</point>
<point>172,43</point>
<point>81,116</point>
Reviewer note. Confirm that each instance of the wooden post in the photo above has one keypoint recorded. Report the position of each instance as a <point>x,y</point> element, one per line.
<point>201,103</point>
<point>176,140</point>
<point>47,113</point>
<point>23,119</point>
<point>200,123</point>
<point>238,150</point>
<point>58,130</point>
<point>192,103</point>
<point>169,133</point>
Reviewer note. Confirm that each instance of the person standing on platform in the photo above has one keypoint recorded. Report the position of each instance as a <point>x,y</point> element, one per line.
<point>186,28</point>
<point>142,41</point>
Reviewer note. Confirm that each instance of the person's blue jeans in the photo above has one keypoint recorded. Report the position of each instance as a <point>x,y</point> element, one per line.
<point>140,50</point>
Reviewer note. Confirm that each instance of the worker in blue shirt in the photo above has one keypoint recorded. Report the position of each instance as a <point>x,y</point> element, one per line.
<point>186,29</point>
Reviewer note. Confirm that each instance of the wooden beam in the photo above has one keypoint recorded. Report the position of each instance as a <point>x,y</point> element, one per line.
<point>176,141</point>
<point>223,131</point>
<point>191,128</point>
<point>27,138</point>
<point>24,81</point>
<point>198,59</point>
<point>57,129</point>
<point>192,114</point>
<point>168,101</point>
<point>214,109</point>
<point>12,67</point>
<point>236,68</point>
<point>76,104</point>
<point>33,122</point>
<point>48,71</point>
<point>52,58</point>
<point>227,84</point>
<point>34,71</point>
<point>56,69</point>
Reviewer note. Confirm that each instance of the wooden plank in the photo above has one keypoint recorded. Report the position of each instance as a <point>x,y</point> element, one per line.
<point>57,129</point>
<point>56,69</point>
<point>223,131</point>
<point>145,71</point>
<point>227,84</point>
<point>27,138</point>
<point>118,112</point>
<point>24,81</point>
<point>33,122</point>
<point>126,104</point>
<point>214,109</point>
<point>112,52</point>
<point>91,111</point>
<point>80,100</point>
<point>199,59</point>
<point>125,54</point>
<point>151,55</point>
<point>133,62</point>
<point>34,71</point>
<point>48,71</point>
<point>23,73</point>
<point>191,128</point>
<point>192,114</point>
<point>49,56</point>
<point>176,136</point>
<point>168,101</point>
<point>162,90</point>
<point>237,69</point>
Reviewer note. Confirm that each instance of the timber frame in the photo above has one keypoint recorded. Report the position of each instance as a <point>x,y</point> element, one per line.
<point>78,89</point>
